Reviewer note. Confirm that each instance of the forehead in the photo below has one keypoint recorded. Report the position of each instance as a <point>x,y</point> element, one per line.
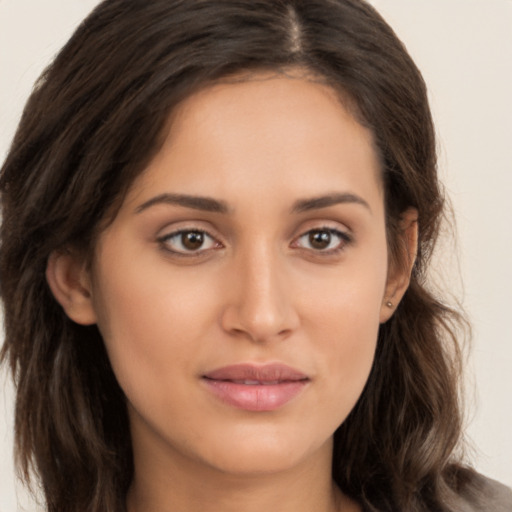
<point>263,129</point>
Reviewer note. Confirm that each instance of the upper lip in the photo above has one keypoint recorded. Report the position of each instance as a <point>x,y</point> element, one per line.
<point>274,372</point>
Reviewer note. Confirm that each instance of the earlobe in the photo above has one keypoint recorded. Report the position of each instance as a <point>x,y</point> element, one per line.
<point>69,282</point>
<point>400,275</point>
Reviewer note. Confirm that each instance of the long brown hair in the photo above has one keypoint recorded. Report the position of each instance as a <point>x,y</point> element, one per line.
<point>90,127</point>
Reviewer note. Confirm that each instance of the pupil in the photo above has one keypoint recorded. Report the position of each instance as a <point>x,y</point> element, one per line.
<point>320,239</point>
<point>192,240</point>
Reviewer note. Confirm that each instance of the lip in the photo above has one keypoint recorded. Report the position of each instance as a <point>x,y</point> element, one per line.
<point>256,387</point>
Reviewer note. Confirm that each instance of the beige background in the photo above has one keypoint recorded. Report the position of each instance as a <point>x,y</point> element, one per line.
<point>464,48</point>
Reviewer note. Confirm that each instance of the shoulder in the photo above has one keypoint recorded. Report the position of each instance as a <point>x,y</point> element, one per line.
<point>485,495</point>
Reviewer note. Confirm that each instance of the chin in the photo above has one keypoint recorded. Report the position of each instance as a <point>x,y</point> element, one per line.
<point>263,453</point>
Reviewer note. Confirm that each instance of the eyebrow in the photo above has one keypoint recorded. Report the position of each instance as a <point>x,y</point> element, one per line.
<point>316,203</point>
<point>206,204</point>
<point>209,204</point>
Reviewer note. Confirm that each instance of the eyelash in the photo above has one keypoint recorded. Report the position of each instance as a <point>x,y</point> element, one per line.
<point>165,241</point>
<point>344,239</point>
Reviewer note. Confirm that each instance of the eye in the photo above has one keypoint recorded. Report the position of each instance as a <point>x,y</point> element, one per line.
<point>189,241</point>
<point>323,240</point>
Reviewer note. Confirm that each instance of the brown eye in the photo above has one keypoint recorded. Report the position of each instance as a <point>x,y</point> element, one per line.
<point>319,239</point>
<point>191,241</point>
<point>325,240</point>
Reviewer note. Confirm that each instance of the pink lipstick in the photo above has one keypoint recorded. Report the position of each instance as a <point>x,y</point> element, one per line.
<point>256,388</point>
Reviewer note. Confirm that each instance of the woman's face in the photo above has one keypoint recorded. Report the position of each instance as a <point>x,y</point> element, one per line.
<point>240,288</point>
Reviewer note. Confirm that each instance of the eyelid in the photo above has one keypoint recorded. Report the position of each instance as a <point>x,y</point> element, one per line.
<point>345,236</point>
<point>187,224</point>
<point>170,233</point>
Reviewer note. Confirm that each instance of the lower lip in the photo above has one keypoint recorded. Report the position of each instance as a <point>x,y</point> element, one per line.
<point>257,397</point>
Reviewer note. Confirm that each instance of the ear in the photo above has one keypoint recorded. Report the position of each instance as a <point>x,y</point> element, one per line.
<point>69,281</point>
<point>399,274</point>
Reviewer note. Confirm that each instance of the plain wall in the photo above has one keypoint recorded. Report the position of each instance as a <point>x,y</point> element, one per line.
<point>464,49</point>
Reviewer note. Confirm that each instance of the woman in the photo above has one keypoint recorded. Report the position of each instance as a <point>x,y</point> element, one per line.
<point>217,219</point>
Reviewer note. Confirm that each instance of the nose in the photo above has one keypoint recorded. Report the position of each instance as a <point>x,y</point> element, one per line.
<point>261,306</point>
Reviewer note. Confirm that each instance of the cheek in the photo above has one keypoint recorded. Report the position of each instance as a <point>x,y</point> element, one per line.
<point>149,320</point>
<point>344,324</point>
<point>348,339</point>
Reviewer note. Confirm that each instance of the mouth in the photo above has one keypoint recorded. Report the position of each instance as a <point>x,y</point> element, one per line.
<point>256,388</point>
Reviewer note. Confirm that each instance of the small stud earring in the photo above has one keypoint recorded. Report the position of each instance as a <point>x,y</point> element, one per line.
<point>389,304</point>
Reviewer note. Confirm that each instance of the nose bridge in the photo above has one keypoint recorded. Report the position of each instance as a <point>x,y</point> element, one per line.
<point>262,307</point>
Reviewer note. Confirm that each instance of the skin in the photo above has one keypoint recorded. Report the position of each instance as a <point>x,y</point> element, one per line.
<point>257,291</point>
